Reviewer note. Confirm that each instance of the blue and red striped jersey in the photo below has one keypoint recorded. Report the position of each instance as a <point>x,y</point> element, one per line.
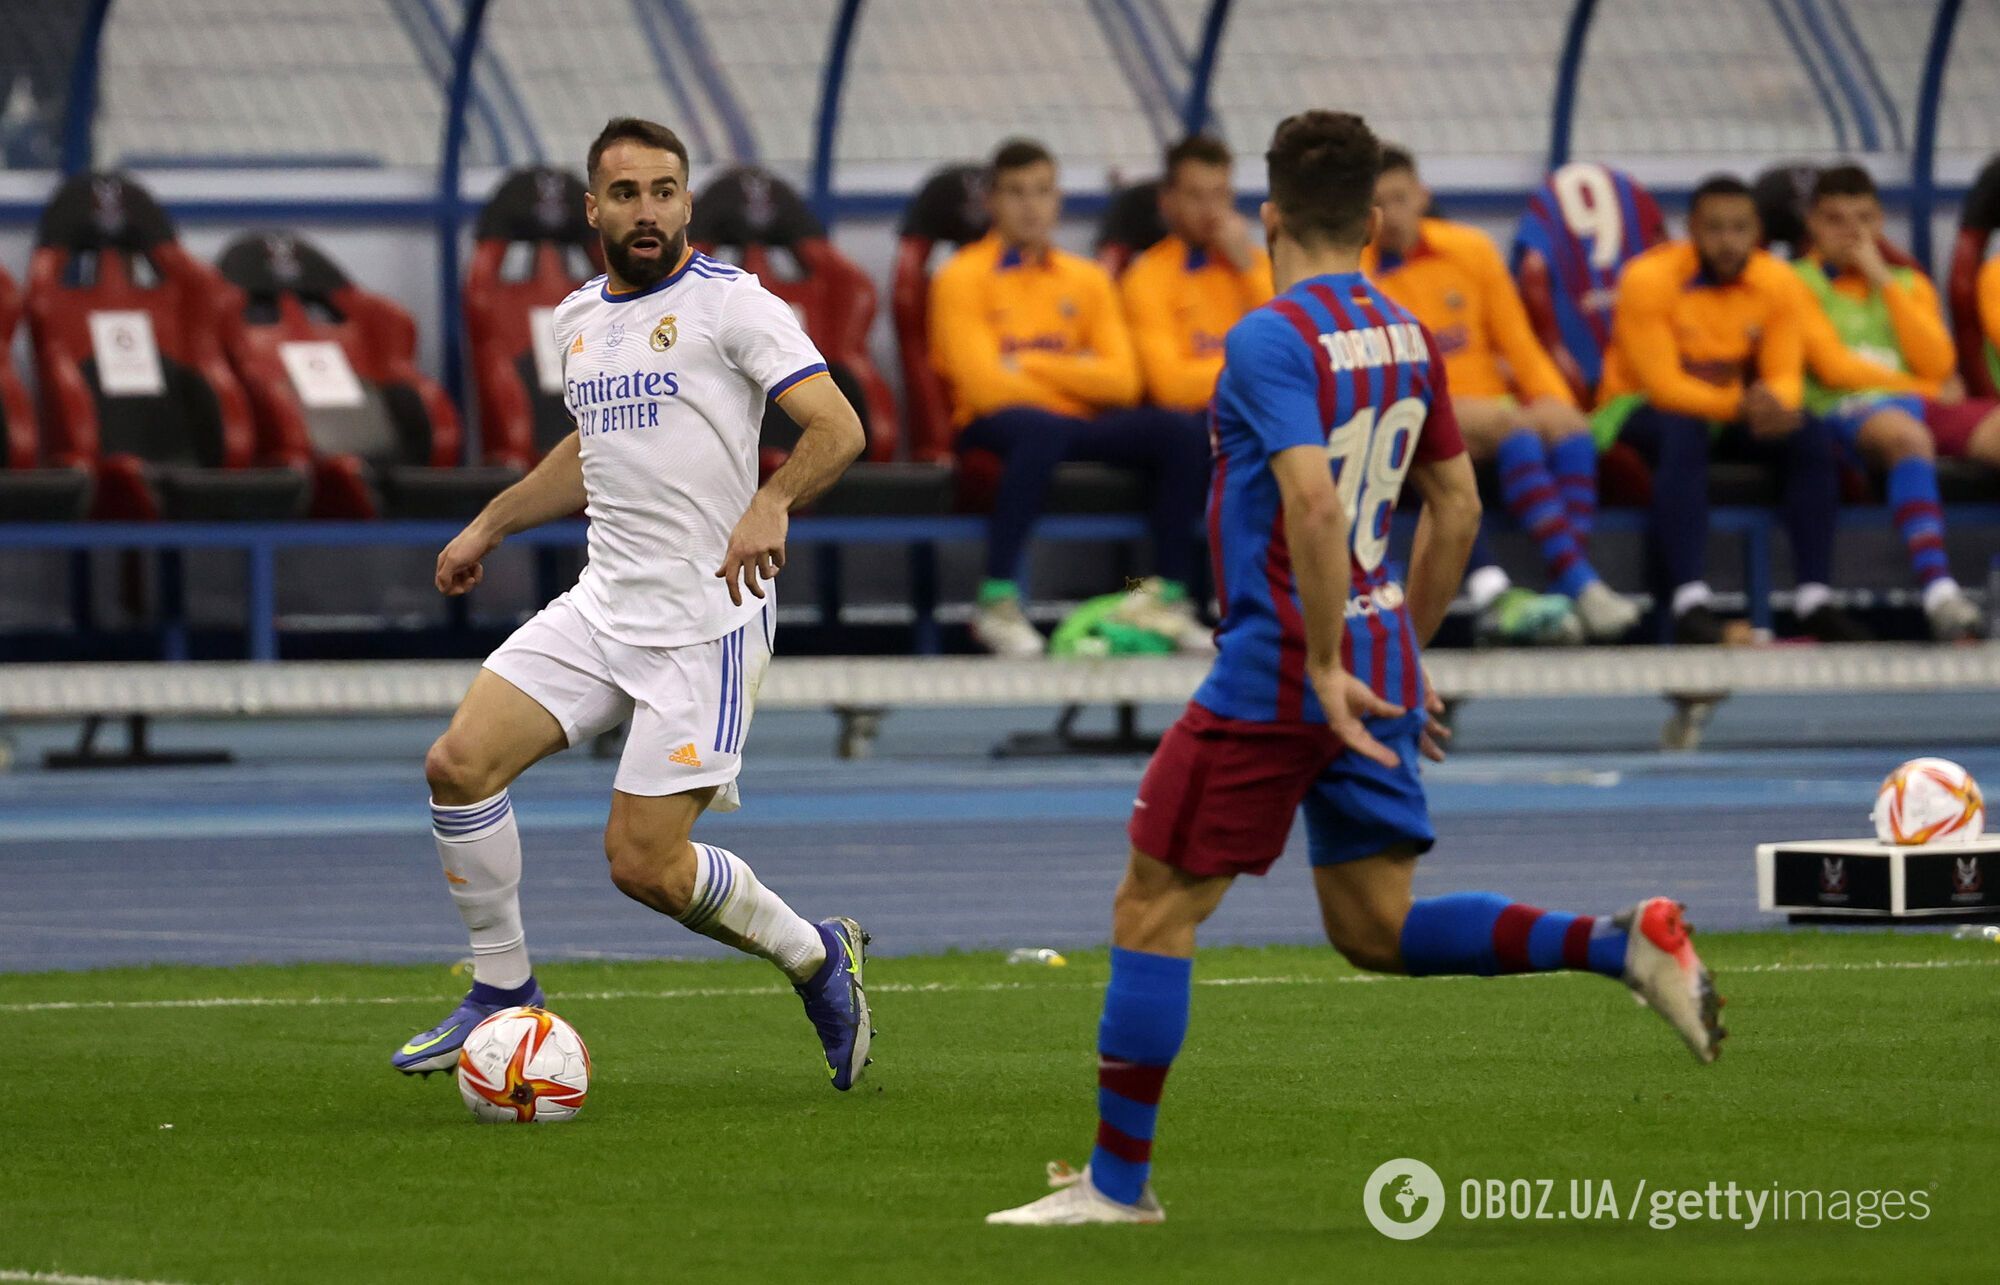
<point>1331,363</point>
<point>1584,225</point>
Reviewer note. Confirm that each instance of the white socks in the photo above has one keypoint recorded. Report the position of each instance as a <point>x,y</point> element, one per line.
<point>729,905</point>
<point>1938,590</point>
<point>1484,585</point>
<point>1809,597</point>
<point>1695,593</point>
<point>481,851</point>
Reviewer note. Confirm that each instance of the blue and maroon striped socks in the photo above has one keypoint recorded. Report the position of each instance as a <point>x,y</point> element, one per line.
<point>1573,464</point>
<point>1537,505</point>
<point>1913,497</point>
<point>1483,933</point>
<point>1145,1019</point>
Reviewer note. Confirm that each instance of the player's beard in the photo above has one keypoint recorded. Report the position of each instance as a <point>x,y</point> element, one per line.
<point>640,273</point>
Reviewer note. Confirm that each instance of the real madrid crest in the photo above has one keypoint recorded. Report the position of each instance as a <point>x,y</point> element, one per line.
<point>665,333</point>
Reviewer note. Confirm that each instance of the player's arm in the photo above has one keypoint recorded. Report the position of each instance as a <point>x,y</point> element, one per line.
<point>1441,475</point>
<point>1535,373</point>
<point>1171,376</point>
<point>1105,376</point>
<point>553,489</point>
<point>1836,365</point>
<point>1920,331</point>
<point>1642,331</point>
<point>1987,288</point>
<point>830,439</point>
<point>966,350</point>
<point>1316,534</point>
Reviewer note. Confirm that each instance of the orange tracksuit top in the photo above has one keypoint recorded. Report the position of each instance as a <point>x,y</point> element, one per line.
<point>1455,282</point>
<point>1989,311</point>
<point>1179,303</point>
<point>1007,330</point>
<point>1691,346</point>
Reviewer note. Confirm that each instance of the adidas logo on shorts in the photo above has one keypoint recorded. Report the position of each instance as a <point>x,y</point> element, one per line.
<point>685,756</point>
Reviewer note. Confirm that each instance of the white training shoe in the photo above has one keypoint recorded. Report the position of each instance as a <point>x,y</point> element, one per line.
<point>1955,618</point>
<point>1148,608</point>
<point>1668,977</point>
<point>1002,628</point>
<point>1607,615</point>
<point>1075,1202</point>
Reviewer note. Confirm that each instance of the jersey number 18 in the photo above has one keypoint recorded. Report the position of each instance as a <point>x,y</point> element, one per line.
<point>1370,455</point>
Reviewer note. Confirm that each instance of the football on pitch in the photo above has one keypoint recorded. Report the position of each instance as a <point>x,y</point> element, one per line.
<point>523,1066</point>
<point>1929,801</point>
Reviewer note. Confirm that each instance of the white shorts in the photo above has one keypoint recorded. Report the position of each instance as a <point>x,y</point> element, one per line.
<point>690,706</point>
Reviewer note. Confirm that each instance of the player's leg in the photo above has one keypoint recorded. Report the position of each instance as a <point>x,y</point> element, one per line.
<point>541,691</point>
<point>1172,449</point>
<point>1808,464</point>
<point>689,727</point>
<point>1890,434</point>
<point>1030,443</point>
<point>1572,451</point>
<point>1982,438</point>
<point>1493,431</point>
<point>1217,801</point>
<point>1677,449</point>
<point>1367,824</point>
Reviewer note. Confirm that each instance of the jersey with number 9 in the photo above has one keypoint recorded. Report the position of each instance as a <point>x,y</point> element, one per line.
<point>1331,363</point>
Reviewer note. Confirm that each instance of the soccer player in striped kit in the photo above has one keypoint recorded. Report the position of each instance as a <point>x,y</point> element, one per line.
<point>1330,396</point>
<point>668,363</point>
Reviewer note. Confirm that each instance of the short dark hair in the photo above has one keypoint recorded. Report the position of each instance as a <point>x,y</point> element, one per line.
<point>1396,158</point>
<point>1018,154</point>
<point>1843,180</point>
<point>1322,167</point>
<point>1719,185</point>
<point>1196,149</point>
<point>632,129</point>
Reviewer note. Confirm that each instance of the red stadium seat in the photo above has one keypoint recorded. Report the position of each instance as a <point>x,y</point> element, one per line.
<point>28,492</point>
<point>760,222</point>
<point>135,387</point>
<point>331,373</point>
<point>533,248</point>
<point>950,208</point>
<point>1131,225</point>
<point>1981,216</point>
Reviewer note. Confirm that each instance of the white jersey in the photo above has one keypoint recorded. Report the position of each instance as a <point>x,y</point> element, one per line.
<point>668,387</point>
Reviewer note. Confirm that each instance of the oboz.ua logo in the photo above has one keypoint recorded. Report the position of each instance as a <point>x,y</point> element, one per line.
<point>1403,1198</point>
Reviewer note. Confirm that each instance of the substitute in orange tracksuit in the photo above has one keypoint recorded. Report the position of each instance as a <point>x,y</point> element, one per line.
<point>1040,368</point>
<point>1515,409</point>
<point>1708,359</point>
<point>1185,291</point>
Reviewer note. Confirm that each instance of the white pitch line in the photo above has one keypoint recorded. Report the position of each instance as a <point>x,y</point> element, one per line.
<point>908,988</point>
<point>64,1278</point>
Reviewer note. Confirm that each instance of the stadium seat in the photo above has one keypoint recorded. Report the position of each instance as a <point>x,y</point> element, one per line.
<point>760,222</point>
<point>1581,228</point>
<point>135,387</point>
<point>331,372</point>
<point>28,492</point>
<point>1782,194</point>
<point>533,247</point>
<point>1130,226</point>
<point>949,209</point>
<point>1977,363</point>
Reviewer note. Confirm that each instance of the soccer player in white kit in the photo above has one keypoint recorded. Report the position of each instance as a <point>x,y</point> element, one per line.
<point>669,361</point>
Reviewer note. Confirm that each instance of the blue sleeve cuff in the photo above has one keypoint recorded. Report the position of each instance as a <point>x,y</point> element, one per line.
<point>785,385</point>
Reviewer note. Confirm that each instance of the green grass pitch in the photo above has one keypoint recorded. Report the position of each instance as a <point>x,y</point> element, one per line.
<point>712,1148</point>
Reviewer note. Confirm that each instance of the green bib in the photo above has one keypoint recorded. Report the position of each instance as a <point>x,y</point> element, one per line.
<point>1863,325</point>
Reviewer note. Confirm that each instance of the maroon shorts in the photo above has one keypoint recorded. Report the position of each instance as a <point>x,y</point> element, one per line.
<point>1951,424</point>
<point>1220,794</point>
